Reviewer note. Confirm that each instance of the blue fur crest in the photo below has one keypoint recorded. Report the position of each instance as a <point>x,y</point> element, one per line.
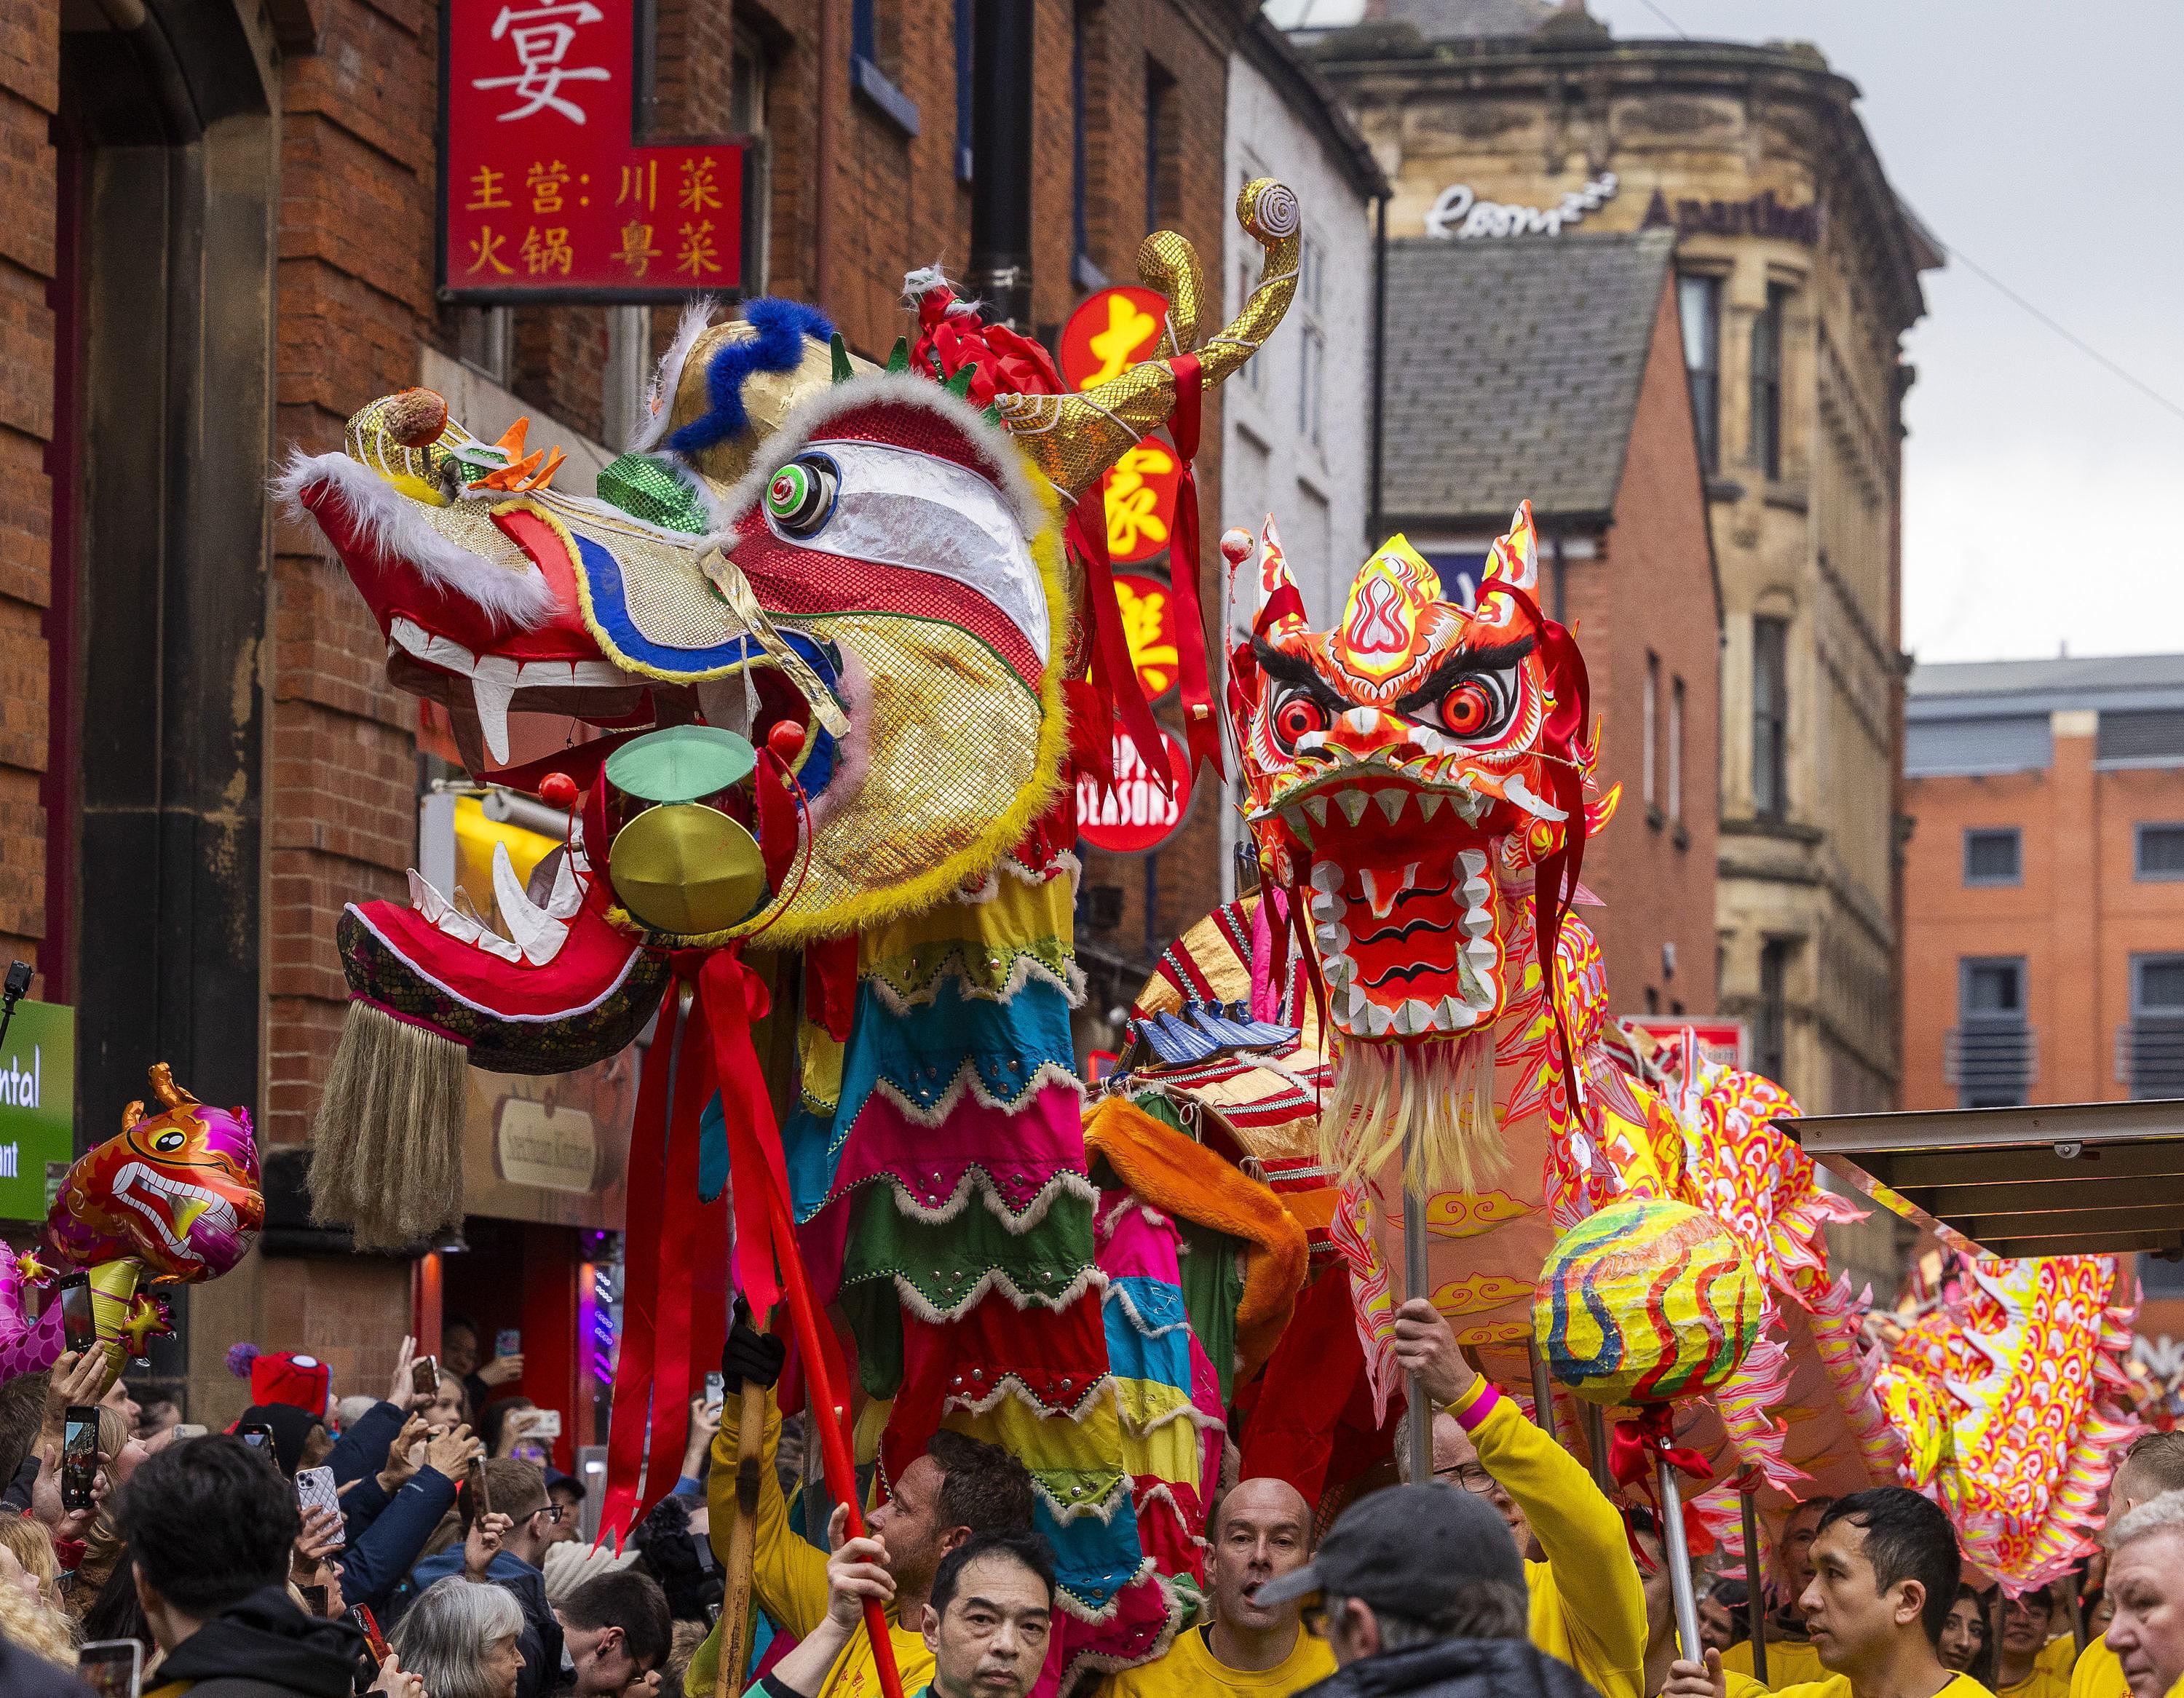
<point>782,326</point>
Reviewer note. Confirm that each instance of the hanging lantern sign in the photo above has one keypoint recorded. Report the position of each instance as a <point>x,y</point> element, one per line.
<point>1110,333</point>
<point>1135,813</point>
<point>1147,610</point>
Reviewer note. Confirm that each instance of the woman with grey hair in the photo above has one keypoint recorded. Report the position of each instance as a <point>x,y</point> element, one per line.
<point>2146,1582</point>
<point>459,1638</point>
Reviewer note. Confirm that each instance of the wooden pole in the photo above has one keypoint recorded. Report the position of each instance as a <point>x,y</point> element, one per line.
<point>1755,1610</point>
<point>737,1617</point>
<point>1543,1390</point>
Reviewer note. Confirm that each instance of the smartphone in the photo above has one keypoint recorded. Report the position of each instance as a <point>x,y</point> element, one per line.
<point>314,1602</point>
<point>188,1429</point>
<point>508,1342</point>
<point>425,1375</point>
<point>541,1423</point>
<point>79,1326</point>
<point>715,1391</point>
<point>314,1489</point>
<point>361,1618</point>
<point>112,1667</point>
<point>479,1490</point>
<point>259,1437</point>
<point>79,1454</point>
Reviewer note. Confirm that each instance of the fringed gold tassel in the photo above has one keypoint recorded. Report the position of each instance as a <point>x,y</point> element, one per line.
<point>1430,1104</point>
<point>386,1154</point>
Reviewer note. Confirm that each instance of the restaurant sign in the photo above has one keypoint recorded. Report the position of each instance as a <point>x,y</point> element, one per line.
<point>1457,215</point>
<point>545,194</point>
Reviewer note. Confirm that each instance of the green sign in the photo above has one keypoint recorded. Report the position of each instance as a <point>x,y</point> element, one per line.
<point>37,1105</point>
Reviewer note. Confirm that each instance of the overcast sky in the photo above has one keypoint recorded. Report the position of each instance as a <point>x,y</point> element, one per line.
<point>2043,496</point>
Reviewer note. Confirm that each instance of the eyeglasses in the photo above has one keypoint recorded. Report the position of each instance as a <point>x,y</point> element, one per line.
<point>1471,1476</point>
<point>552,1511</point>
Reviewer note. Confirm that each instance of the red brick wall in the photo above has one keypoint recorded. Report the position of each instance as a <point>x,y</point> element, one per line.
<point>2077,915</point>
<point>29,93</point>
<point>1652,590</point>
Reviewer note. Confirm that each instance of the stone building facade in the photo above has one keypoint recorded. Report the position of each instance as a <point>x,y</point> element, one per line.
<point>216,240</point>
<point>1797,275</point>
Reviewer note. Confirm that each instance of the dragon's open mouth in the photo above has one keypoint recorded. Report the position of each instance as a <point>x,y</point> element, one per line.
<point>173,1207</point>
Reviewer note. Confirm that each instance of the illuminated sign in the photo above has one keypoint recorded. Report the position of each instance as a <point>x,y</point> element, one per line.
<point>1458,214</point>
<point>1135,813</point>
<point>1148,610</point>
<point>543,192</point>
<point>37,1108</point>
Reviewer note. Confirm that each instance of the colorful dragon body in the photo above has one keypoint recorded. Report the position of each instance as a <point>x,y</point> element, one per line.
<point>171,1199</point>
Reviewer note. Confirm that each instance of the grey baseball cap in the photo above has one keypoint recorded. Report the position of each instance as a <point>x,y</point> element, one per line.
<point>1407,1550</point>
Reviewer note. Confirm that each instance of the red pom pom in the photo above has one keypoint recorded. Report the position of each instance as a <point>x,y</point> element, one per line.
<point>786,739</point>
<point>558,790</point>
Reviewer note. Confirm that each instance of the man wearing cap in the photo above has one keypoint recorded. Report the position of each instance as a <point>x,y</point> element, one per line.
<point>1587,1605</point>
<point>1422,1591</point>
<point>1258,1532</point>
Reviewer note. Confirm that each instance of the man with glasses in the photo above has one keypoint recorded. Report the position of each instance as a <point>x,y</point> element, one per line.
<point>507,1548</point>
<point>1588,1606</point>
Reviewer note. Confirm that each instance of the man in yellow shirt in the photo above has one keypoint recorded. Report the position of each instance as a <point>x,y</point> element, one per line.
<point>1886,1567</point>
<point>2154,1464</point>
<point>2018,1672</point>
<point>2146,1578</point>
<point>1260,1531</point>
<point>1790,1659</point>
<point>960,1488</point>
<point>1587,1605</point>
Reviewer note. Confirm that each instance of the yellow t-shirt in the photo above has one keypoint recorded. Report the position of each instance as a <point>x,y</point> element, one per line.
<point>1588,1607</point>
<point>788,1577</point>
<point>2056,1656</point>
<point>1789,1662</point>
<point>1191,1670</point>
<point>2097,1674</point>
<point>1838,1686</point>
<point>2040,1684</point>
<point>1737,1685</point>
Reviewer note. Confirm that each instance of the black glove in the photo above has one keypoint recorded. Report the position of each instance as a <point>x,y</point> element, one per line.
<point>750,1353</point>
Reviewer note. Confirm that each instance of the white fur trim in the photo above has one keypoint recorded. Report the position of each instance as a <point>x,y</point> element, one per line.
<point>968,1082</point>
<point>509,587</point>
<point>667,377</point>
<point>993,1280</point>
<point>1018,1221</point>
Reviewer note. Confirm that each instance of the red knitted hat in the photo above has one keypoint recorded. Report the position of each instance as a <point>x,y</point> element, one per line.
<point>283,1377</point>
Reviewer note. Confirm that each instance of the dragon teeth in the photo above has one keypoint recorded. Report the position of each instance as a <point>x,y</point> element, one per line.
<point>1316,807</point>
<point>1352,803</point>
<point>1391,804</point>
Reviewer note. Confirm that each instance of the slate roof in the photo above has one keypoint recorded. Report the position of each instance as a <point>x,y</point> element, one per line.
<point>1446,20</point>
<point>1513,371</point>
<point>1954,688</point>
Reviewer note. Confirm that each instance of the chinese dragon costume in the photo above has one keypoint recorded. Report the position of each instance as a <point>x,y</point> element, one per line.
<point>840,633</point>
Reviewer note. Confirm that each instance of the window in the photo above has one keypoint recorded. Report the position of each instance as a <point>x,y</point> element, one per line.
<point>1699,300</point>
<point>1676,751</point>
<point>748,70</point>
<point>1253,376</point>
<point>2153,1047</point>
<point>964,72</point>
<point>1652,710</point>
<point>1161,162</point>
<point>1767,382</point>
<point>2151,737</point>
<point>1991,1049</point>
<point>485,337</point>
<point>2160,852</point>
<point>1080,167</point>
<point>1312,370</point>
<point>876,59</point>
<point>1770,1035</point>
<point>1771,716</point>
<point>1993,855</point>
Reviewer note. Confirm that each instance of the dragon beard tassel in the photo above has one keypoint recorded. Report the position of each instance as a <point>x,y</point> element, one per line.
<point>387,1144</point>
<point>1431,1104</point>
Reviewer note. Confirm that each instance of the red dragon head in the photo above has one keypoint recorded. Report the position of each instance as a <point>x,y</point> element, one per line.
<point>1411,771</point>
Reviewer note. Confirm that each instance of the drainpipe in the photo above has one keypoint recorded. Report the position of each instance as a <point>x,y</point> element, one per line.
<point>833,106</point>
<point>1000,160</point>
<point>1372,526</point>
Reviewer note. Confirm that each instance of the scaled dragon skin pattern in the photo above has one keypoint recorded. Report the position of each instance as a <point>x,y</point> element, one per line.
<point>2023,1365</point>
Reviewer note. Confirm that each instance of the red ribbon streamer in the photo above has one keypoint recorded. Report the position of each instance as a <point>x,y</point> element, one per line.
<point>1202,720</point>
<point>1633,1445</point>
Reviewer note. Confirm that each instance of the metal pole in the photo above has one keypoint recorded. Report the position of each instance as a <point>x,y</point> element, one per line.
<point>1755,1610</point>
<point>1543,1390</point>
<point>1378,438</point>
<point>1001,151</point>
<point>1595,1441</point>
<point>1678,1559</point>
<point>1415,1282</point>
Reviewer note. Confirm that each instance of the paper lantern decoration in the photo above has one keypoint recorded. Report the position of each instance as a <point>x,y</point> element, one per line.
<point>1645,1301</point>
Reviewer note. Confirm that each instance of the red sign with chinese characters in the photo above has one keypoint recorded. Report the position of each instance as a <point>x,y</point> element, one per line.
<point>544,193</point>
<point>1136,814</point>
<point>1111,331</point>
<point>1715,1040</point>
<point>1149,627</point>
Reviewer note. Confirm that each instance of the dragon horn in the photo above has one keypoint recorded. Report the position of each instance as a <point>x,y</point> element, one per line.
<point>1074,439</point>
<point>170,1094</point>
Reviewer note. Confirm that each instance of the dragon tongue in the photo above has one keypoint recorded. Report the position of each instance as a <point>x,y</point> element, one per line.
<point>1382,886</point>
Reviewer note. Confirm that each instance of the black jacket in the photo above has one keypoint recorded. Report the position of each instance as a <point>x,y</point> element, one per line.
<point>1457,1669</point>
<point>266,1644</point>
<point>22,1675</point>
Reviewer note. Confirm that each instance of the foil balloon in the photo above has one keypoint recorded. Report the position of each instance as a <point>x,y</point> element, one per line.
<point>1646,1300</point>
<point>176,1191</point>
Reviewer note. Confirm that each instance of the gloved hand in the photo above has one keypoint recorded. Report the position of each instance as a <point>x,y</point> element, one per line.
<point>750,1353</point>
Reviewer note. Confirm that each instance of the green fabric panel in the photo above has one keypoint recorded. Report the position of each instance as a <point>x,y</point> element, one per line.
<point>647,488</point>
<point>945,1261</point>
<point>1213,1269</point>
<point>875,1317</point>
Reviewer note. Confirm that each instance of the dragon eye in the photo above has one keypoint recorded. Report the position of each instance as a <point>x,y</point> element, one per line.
<point>1476,706</point>
<point>800,499</point>
<point>169,1141</point>
<point>1296,717</point>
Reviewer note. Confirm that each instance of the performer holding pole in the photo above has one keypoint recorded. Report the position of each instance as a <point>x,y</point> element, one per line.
<point>1755,1605</point>
<point>1417,1430</point>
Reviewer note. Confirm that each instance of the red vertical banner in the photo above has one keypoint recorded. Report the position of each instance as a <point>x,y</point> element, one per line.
<point>545,194</point>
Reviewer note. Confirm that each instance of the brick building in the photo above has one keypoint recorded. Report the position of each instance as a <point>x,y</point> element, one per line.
<point>1552,371</point>
<point>1797,271</point>
<point>216,240</point>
